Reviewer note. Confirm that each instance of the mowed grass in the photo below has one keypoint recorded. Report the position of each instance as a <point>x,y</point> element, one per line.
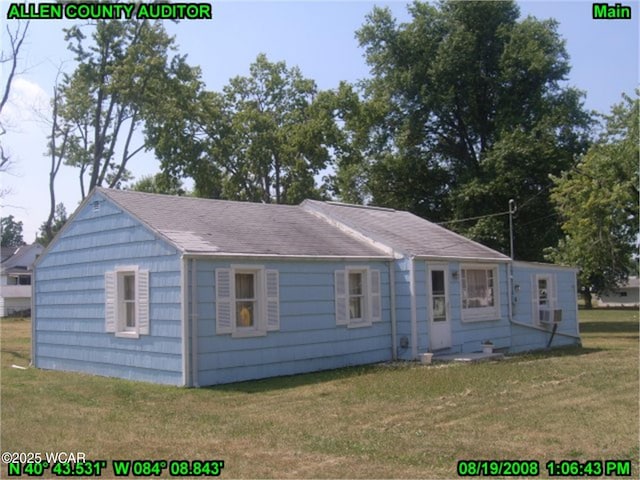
<point>387,421</point>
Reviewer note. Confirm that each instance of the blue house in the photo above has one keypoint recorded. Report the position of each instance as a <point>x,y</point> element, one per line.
<point>195,292</point>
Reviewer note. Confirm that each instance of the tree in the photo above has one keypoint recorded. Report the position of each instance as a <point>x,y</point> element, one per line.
<point>598,205</point>
<point>16,37</point>
<point>122,74</point>
<point>159,183</point>
<point>48,230</point>
<point>263,139</point>
<point>11,232</point>
<point>465,109</point>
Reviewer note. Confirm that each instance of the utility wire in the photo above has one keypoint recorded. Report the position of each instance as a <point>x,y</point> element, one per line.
<point>473,218</point>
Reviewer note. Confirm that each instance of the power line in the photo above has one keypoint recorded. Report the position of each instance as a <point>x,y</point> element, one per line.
<point>473,218</point>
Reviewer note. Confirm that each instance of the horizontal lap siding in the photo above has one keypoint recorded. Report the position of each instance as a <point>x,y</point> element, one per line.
<point>308,339</point>
<point>69,319</point>
<point>403,309</point>
<point>467,336</point>
<point>530,339</point>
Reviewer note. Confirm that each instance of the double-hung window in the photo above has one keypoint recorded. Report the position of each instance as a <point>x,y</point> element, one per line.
<point>357,294</point>
<point>544,299</point>
<point>127,301</point>
<point>247,303</point>
<point>480,292</point>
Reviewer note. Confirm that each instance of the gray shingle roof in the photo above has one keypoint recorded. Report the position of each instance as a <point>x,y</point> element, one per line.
<point>312,229</point>
<point>198,225</point>
<point>404,232</point>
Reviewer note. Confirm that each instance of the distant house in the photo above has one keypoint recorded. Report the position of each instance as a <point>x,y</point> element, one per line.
<point>190,291</point>
<point>625,295</point>
<point>15,278</point>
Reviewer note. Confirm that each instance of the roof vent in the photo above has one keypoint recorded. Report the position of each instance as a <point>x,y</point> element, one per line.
<point>96,206</point>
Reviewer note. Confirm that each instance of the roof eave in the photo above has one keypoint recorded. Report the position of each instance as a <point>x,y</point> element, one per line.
<point>273,256</point>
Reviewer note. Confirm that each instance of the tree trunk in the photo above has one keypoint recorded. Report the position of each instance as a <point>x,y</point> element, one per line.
<point>586,294</point>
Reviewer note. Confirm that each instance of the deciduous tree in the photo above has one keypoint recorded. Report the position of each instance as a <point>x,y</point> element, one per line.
<point>598,204</point>
<point>11,232</point>
<point>466,108</point>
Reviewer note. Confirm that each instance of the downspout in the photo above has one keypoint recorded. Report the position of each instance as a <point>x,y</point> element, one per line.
<point>414,315</point>
<point>184,288</point>
<point>33,362</point>
<point>194,323</point>
<point>394,327</point>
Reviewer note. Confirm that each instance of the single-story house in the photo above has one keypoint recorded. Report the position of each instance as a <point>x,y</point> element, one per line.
<point>194,292</point>
<point>624,295</point>
<point>15,278</point>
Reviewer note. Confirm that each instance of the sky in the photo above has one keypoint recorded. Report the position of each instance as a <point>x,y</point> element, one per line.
<point>317,36</point>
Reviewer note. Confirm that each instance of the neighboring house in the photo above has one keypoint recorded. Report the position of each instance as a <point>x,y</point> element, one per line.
<point>190,291</point>
<point>625,295</point>
<point>15,278</point>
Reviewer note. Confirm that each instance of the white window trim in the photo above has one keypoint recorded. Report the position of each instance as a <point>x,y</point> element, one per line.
<point>481,314</point>
<point>365,320</point>
<point>370,295</point>
<point>259,328</point>
<point>552,297</point>
<point>267,305</point>
<point>119,328</point>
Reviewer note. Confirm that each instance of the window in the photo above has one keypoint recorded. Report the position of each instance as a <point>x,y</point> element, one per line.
<point>245,299</point>
<point>544,298</point>
<point>480,293</point>
<point>247,302</point>
<point>127,302</point>
<point>357,295</point>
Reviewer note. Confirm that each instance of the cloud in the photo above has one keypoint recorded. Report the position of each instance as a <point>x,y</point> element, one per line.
<point>28,102</point>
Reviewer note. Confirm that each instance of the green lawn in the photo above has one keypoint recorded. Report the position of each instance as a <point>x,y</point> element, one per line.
<point>402,421</point>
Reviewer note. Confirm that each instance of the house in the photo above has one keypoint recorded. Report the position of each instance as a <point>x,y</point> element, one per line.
<point>15,278</point>
<point>195,292</point>
<point>625,295</point>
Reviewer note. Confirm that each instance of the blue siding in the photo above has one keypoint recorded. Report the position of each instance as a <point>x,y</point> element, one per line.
<point>308,338</point>
<point>69,320</point>
<point>469,335</point>
<point>524,338</point>
<point>403,308</point>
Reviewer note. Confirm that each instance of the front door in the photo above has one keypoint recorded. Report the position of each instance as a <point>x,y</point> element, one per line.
<point>439,325</point>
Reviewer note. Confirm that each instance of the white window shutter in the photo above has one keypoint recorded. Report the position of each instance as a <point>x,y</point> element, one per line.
<point>142,304</point>
<point>376,299</point>
<point>110,301</point>
<point>273,306</point>
<point>223,301</point>
<point>342,317</point>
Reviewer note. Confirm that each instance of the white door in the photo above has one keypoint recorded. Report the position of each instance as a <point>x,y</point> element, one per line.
<point>439,324</point>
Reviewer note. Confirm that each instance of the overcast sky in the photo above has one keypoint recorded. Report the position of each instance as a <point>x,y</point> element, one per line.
<point>318,36</point>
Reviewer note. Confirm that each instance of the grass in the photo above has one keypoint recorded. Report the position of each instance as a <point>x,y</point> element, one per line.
<point>386,421</point>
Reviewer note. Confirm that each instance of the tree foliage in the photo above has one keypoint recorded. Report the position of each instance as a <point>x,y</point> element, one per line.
<point>159,183</point>
<point>264,138</point>
<point>124,71</point>
<point>466,109</point>
<point>49,229</point>
<point>598,203</point>
<point>11,232</point>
